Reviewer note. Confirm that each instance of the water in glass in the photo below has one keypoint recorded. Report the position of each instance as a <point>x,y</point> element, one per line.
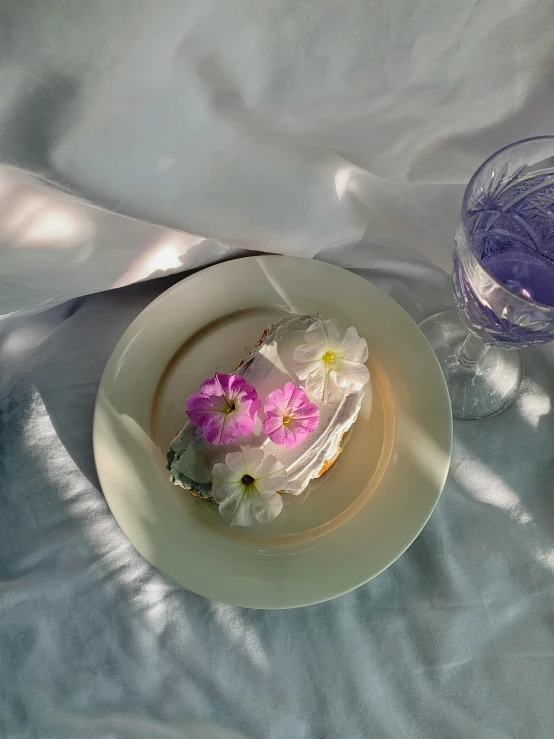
<point>510,225</point>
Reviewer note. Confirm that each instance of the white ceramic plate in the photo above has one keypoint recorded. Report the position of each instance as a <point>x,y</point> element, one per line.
<point>354,521</point>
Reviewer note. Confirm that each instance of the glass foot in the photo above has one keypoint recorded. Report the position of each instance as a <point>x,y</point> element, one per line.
<point>481,382</point>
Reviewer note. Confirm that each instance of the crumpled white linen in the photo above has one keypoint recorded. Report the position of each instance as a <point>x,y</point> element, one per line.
<point>340,130</point>
<point>456,639</point>
<point>282,126</point>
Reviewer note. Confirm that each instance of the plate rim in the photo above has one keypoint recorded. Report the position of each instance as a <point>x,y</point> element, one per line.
<point>439,378</point>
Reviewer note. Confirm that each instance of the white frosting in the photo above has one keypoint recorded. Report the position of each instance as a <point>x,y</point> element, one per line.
<point>268,367</point>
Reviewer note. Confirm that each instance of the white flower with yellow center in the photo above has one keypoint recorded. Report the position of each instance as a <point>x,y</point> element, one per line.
<point>246,486</point>
<point>331,362</point>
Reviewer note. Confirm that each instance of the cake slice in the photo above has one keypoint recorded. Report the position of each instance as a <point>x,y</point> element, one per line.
<point>270,366</point>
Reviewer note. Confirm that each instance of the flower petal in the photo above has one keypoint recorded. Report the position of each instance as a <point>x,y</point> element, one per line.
<point>290,392</point>
<point>306,369</point>
<point>296,398</point>
<point>296,431</point>
<point>355,371</point>
<point>243,393</point>
<point>349,340</point>
<point>315,381</point>
<point>212,428</point>
<point>271,476</point>
<point>255,406</point>
<point>279,434</point>
<point>309,352</point>
<point>215,385</point>
<point>223,490</point>
<point>358,352</point>
<point>335,333</point>
<point>244,423</point>
<point>240,504</point>
<point>351,378</point>
<point>271,424</point>
<point>236,462</point>
<point>309,410</point>
<point>220,394</point>
<point>221,429</point>
<point>316,335</point>
<point>308,422</point>
<point>296,434</point>
<point>270,407</point>
<point>306,410</point>
<point>236,384</point>
<point>238,509</point>
<point>266,506</point>
<point>200,408</point>
<point>253,460</point>
<point>276,402</point>
<point>225,474</point>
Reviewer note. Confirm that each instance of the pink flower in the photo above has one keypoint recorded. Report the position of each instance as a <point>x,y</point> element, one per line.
<point>225,408</point>
<point>289,415</point>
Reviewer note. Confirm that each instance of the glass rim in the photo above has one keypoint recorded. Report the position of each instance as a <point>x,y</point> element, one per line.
<point>513,296</point>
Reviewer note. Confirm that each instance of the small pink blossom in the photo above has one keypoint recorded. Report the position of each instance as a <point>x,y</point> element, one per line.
<point>289,415</point>
<point>225,408</point>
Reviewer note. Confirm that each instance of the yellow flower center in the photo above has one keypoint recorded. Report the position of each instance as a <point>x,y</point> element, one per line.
<point>328,357</point>
<point>230,407</point>
<point>286,420</point>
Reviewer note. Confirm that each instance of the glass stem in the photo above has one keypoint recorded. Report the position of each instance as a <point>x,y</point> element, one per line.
<point>471,351</point>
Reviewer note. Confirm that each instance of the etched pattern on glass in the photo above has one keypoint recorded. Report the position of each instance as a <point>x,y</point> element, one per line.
<point>509,211</point>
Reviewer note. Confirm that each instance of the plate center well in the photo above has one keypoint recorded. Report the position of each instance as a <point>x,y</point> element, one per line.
<point>327,502</point>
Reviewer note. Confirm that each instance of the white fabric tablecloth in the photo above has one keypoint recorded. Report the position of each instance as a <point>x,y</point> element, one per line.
<point>340,130</point>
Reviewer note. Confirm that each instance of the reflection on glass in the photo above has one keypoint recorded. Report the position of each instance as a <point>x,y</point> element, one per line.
<point>503,279</point>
